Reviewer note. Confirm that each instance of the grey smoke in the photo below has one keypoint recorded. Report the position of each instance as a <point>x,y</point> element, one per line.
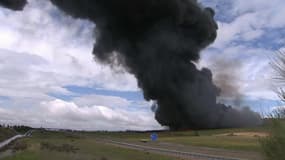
<point>158,41</point>
<point>228,78</point>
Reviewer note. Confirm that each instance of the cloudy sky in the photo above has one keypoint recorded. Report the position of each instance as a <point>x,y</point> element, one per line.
<point>49,77</point>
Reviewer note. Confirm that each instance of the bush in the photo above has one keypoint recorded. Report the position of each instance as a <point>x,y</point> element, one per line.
<point>273,145</point>
<point>19,146</point>
<point>61,148</point>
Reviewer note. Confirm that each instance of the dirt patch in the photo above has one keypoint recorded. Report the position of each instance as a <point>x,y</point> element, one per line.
<point>245,134</point>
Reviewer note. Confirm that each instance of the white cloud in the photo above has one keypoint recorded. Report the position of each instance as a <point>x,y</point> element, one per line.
<point>242,39</point>
<point>246,20</point>
<point>251,35</point>
<point>249,70</point>
<point>41,52</point>
<point>239,29</point>
<point>61,114</point>
<point>112,101</point>
<point>66,44</point>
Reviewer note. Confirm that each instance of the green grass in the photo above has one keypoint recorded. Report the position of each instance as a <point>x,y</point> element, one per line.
<point>273,145</point>
<point>206,138</point>
<point>225,142</point>
<point>173,133</point>
<point>209,138</point>
<point>6,133</point>
<point>89,149</point>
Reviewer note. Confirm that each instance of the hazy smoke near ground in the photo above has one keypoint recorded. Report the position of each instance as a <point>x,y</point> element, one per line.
<point>228,78</point>
<point>158,41</point>
<point>13,4</point>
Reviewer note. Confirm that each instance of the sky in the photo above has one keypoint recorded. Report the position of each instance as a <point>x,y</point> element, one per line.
<point>50,79</point>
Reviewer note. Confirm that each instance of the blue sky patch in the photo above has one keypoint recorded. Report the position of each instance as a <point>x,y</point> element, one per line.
<point>129,95</point>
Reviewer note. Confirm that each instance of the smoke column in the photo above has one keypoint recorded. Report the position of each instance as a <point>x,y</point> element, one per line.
<point>13,4</point>
<point>158,41</point>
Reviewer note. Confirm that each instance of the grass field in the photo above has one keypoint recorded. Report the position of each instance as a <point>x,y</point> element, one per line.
<point>88,149</point>
<point>225,138</point>
<point>219,138</point>
<point>6,133</point>
<point>225,142</point>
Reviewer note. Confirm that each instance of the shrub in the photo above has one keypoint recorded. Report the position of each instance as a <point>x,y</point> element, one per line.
<point>19,146</point>
<point>61,148</point>
<point>273,145</point>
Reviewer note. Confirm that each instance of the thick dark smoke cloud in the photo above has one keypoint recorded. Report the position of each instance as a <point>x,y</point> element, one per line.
<point>13,4</point>
<point>158,41</point>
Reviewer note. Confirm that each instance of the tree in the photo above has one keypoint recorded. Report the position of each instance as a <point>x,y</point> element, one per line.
<point>278,64</point>
<point>273,145</point>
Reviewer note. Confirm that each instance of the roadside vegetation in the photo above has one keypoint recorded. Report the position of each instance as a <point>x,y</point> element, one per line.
<point>6,133</point>
<point>244,139</point>
<point>273,146</point>
<point>21,129</point>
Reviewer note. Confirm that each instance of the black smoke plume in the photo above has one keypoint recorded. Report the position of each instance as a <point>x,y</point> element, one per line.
<point>13,4</point>
<point>158,41</point>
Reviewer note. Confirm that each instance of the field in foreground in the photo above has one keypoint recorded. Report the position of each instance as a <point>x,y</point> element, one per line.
<point>62,146</point>
<point>91,146</point>
<point>246,139</point>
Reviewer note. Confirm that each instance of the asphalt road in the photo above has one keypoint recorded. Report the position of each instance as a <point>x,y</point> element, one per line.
<point>172,152</point>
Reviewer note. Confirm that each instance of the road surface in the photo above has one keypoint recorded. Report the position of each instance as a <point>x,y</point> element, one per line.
<point>193,153</point>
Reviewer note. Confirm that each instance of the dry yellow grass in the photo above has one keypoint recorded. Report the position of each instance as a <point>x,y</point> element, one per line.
<point>245,134</point>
